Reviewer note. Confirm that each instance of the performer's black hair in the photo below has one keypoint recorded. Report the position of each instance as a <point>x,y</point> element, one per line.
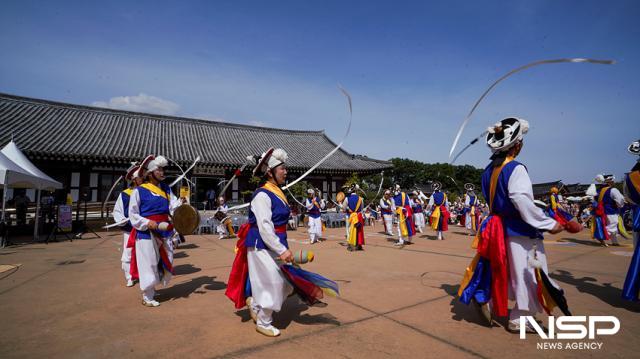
<point>498,158</point>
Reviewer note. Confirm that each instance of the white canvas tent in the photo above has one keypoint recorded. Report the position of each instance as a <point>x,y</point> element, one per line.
<point>16,171</point>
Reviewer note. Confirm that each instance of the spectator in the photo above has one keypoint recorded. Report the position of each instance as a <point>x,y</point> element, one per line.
<point>21,202</point>
<point>211,199</point>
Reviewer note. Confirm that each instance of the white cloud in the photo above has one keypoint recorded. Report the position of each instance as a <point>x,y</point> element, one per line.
<point>140,103</point>
<point>258,123</point>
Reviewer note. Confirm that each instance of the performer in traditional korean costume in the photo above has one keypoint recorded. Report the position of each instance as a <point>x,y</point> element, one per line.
<point>261,277</point>
<point>387,208</point>
<point>471,211</point>
<point>121,215</point>
<point>555,210</point>
<point>151,238</point>
<point>511,262</point>
<point>404,213</point>
<point>632,193</point>
<point>609,202</point>
<point>314,207</point>
<point>417,206</point>
<point>439,205</point>
<point>353,205</point>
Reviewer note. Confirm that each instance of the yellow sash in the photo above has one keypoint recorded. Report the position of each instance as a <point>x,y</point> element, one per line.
<point>275,190</point>
<point>128,191</point>
<point>402,220</point>
<point>494,180</point>
<point>554,205</point>
<point>155,190</point>
<point>602,192</point>
<point>635,180</point>
<point>353,220</point>
<point>468,274</point>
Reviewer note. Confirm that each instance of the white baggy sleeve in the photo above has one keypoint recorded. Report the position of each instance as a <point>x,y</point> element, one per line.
<point>261,208</point>
<point>521,195</point>
<point>118,210</point>
<point>617,197</point>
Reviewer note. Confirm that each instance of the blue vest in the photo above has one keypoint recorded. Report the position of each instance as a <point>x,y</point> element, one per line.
<point>279,216</point>
<point>152,204</point>
<point>352,202</point>
<point>397,199</point>
<point>608,203</point>
<point>502,206</point>
<point>472,201</point>
<point>634,196</point>
<point>125,203</point>
<point>315,211</point>
<point>417,208</point>
<point>438,198</point>
<point>386,210</point>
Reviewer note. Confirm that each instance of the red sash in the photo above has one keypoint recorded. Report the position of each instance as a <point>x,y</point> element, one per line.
<point>131,243</point>
<point>492,246</point>
<point>240,268</point>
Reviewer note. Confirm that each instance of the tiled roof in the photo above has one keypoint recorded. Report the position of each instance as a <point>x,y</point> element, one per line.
<point>46,129</point>
<point>542,189</point>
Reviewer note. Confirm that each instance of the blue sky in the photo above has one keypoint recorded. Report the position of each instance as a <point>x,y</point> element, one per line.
<point>414,69</point>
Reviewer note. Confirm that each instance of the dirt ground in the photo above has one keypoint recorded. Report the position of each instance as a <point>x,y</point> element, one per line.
<point>68,299</point>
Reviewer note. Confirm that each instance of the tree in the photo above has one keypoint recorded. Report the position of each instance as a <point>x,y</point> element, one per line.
<point>410,173</point>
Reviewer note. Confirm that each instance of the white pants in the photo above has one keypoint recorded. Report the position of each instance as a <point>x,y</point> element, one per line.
<point>467,220</point>
<point>269,287</point>
<point>148,256</point>
<point>315,228</point>
<point>401,238</point>
<point>126,257</point>
<point>419,221</point>
<point>388,223</point>
<point>522,282</point>
<point>612,227</point>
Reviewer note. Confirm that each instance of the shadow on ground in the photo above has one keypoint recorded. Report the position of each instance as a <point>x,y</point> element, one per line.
<point>468,313</point>
<point>605,292</point>
<point>183,269</point>
<point>199,285</point>
<point>293,309</point>
<point>180,255</point>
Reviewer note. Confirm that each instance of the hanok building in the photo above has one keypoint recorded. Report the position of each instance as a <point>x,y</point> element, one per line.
<point>88,148</point>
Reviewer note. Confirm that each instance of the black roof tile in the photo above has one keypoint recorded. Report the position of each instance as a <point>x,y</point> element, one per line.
<point>47,128</point>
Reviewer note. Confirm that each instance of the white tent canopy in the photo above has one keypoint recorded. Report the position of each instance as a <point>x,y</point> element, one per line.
<point>12,175</point>
<point>43,181</point>
<point>18,172</point>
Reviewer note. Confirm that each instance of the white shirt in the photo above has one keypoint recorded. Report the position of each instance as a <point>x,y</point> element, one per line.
<point>309,204</point>
<point>261,208</point>
<point>118,210</point>
<point>617,197</point>
<point>521,195</point>
<point>389,204</point>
